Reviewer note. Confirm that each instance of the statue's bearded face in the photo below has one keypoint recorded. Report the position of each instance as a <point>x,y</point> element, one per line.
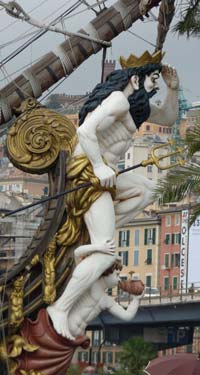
<point>150,82</point>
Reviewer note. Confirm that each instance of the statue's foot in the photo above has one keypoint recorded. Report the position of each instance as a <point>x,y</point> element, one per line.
<point>59,321</point>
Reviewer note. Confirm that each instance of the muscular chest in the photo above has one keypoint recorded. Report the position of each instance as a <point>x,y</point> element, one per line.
<point>114,135</point>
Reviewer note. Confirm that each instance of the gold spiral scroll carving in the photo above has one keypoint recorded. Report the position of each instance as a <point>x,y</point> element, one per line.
<point>37,136</point>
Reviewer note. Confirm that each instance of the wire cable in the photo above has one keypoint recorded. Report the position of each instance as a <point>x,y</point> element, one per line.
<point>14,22</point>
<point>39,34</point>
<point>141,38</point>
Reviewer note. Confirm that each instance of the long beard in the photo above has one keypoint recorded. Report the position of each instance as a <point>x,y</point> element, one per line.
<point>139,105</point>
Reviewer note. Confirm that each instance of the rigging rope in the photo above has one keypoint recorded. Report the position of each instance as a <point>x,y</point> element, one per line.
<point>39,34</point>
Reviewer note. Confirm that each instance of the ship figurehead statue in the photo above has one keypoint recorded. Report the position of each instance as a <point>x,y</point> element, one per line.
<point>76,260</point>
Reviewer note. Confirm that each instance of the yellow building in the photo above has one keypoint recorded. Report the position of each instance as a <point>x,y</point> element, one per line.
<point>138,245</point>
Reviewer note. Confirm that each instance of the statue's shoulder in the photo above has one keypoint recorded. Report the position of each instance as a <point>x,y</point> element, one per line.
<point>117,101</point>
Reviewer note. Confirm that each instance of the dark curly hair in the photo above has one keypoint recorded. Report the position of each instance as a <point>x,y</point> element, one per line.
<point>116,81</point>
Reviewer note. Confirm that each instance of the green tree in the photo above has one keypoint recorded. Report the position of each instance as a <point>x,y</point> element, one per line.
<point>189,23</point>
<point>73,370</point>
<point>136,353</point>
<point>184,181</point>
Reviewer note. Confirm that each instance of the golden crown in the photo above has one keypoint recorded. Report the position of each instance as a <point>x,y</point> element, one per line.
<point>146,58</point>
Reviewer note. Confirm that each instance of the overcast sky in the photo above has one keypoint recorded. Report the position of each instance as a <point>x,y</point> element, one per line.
<point>182,53</point>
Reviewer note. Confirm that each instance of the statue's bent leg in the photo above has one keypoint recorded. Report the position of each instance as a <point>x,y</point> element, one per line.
<point>134,193</point>
<point>100,221</point>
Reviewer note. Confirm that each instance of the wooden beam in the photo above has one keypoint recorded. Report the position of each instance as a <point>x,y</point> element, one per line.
<point>50,69</point>
<point>166,14</point>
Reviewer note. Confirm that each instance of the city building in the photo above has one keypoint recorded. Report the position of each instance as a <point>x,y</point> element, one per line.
<point>170,244</point>
<point>138,245</point>
<point>16,231</point>
<point>140,150</point>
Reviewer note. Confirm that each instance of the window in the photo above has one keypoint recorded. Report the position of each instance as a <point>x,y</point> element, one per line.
<point>177,219</point>
<point>147,127</point>
<point>95,357</point>
<point>136,257</point>
<point>137,237</point>
<point>176,238</point>
<point>166,283</point>
<point>166,260</point>
<point>149,169</point>
<point>124,256</point>
<point>168,221</point>
<point>121,166</point>
<point>124,238</point>
<point>149,256</point>
<point>175,260</point>
<point>148,281</point>
<point>128,156</point>
<point>96,338</point>
<point>150,236</point>
<point>135,276</point>
<point>167,239</point>
<point>175,283</point>
<point>107,357</point>
<point>82,356</point>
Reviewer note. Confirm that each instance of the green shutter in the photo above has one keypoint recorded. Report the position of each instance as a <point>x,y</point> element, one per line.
<point>145,236</point>
<point>149,256</point>
<point>128,238</point>
<point>175,283</point>
<point>148,281</point>
<point>179,238</point>
<point>154,236</point>
<point>126,258</point>
<point>167,260</point>
<point>173,238</point>
<point>120,238</point>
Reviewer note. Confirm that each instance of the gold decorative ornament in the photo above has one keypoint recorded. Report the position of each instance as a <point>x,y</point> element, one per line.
<point>79,171</point>
<point>50,273</point>
<point>16,302</point>
<point>4,357</point>
<point>3,352</point>
<point>18,344</point>
<point>146,58</point>
<point>35,260</point>
<point>31,372</point>
<point>37,136</point>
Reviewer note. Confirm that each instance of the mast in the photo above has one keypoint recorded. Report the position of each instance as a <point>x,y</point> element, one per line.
<point>68,55</point>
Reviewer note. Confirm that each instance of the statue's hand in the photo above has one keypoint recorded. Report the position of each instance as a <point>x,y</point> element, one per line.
<point>105,174</point>
<point>170,77</point>
<point>106,248</point>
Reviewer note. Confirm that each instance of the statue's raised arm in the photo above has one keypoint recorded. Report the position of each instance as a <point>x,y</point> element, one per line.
<point>167,112</point>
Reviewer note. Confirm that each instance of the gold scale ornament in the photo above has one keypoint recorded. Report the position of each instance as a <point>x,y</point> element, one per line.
<point>37,137</point>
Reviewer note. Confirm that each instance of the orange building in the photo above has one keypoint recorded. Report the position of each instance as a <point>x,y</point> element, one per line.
<point>170,244</point>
